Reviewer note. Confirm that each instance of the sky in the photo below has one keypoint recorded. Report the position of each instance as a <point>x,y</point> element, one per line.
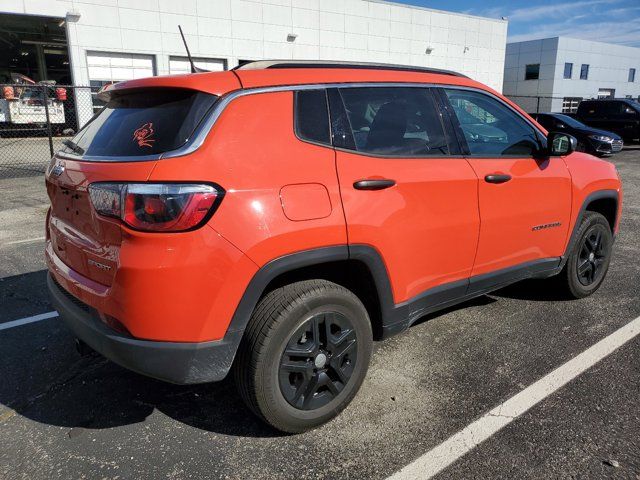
<point>612,21</point>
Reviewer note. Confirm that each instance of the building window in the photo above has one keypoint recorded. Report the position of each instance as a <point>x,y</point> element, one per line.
<point>607,93</point>
<point>532,72</point>
<point>584,72</point>
<point>568,70</point>
<point>632,75</point>
<point>570,104</point>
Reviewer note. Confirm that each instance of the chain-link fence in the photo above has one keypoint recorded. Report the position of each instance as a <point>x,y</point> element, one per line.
<point>36,119</point>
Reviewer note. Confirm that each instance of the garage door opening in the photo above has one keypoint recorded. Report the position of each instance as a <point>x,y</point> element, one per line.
<point>35,47</point>
<point>37,103</point>
<point>106,68</point>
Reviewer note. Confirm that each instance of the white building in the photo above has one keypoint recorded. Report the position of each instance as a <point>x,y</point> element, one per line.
<point>554,74</point>
<point>110,40</point>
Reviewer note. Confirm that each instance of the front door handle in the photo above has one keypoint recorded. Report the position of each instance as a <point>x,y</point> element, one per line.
<point>497,178</point>
<point>374,184</point>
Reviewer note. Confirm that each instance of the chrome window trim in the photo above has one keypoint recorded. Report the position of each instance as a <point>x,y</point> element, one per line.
<point>101,158</point>
<point>202,132</point>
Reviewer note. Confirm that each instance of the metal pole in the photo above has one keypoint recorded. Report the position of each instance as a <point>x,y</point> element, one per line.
<point>45,99</point>
<point>538,105</point>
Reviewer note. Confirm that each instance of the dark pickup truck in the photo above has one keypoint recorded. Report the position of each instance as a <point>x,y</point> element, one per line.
<point>621,116</point>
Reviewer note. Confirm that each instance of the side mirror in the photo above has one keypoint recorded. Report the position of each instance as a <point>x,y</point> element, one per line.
<point>560,144</point>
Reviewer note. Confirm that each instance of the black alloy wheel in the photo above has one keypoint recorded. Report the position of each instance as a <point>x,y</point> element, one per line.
<point>588,258</point>
<point>304,354</point>
<point>318,361</point>
<point>592,256</point>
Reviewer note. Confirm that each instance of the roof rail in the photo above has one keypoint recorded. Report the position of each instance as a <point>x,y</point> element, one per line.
<point>266,64</point>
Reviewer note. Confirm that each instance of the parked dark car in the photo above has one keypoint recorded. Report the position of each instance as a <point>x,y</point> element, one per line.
<point>621,116</point>
<point>590,140</point>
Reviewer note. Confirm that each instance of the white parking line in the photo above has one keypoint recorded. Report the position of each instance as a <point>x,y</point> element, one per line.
<point>24,321</point>
<point>456,446</point>
<point>28,240</point>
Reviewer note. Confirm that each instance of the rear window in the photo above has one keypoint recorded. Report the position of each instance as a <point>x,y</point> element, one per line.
<point>142,122</point>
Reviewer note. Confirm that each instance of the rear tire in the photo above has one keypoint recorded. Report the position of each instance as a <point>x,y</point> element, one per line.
<point>304,355</point>
<point>589,259</point>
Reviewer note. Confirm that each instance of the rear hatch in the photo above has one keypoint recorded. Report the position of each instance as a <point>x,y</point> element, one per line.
<point>120,144</point>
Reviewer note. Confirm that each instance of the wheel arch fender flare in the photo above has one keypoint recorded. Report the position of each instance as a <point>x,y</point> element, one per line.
<point>367,255</point>
<point>589,199</point>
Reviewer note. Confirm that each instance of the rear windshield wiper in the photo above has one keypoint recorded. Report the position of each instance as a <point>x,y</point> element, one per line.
<point>73,147</point>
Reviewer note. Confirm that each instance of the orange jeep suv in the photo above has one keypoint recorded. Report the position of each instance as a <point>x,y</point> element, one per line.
<point>274,219</point>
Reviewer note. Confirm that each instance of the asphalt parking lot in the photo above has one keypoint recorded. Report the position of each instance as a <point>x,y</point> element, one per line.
<point>65,416</point>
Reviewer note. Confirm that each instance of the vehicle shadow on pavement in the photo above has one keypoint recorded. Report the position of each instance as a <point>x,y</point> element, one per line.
<point>540,290</point>
<point>45,380</point>
<point>94,393</point>
<point>23,295</point>
<point>474,302</point>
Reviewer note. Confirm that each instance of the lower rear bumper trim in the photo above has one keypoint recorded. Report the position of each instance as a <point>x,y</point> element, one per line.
<point>174,362</point>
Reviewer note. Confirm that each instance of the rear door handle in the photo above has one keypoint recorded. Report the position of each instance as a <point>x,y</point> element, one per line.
<point>497,178</point>
<point>374,184</point>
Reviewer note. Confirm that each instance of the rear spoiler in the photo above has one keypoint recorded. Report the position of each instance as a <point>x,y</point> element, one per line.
<point>215,83</point>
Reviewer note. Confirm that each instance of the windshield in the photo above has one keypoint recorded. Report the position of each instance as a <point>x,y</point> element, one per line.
<point>142,122</point>
<point>635,104</point>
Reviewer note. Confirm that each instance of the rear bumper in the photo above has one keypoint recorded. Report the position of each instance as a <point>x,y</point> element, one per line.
<point>175,362</point>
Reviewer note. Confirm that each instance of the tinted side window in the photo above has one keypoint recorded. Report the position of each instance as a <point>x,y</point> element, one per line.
<point>395,121</point>
<point>312,116</point>
<point>489,127</point>
<point>589,109</point>
<point>610,108</point>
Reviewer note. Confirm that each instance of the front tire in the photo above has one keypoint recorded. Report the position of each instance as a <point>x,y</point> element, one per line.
<point>589,259</point>
<point>304,355</point>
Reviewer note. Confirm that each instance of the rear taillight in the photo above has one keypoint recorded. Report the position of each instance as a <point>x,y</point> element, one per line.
<point>61,94</point>
<point>8,93</point>
<point>156,207</point>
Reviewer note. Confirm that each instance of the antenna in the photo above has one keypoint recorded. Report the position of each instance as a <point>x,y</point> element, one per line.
<point>194,69</point>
